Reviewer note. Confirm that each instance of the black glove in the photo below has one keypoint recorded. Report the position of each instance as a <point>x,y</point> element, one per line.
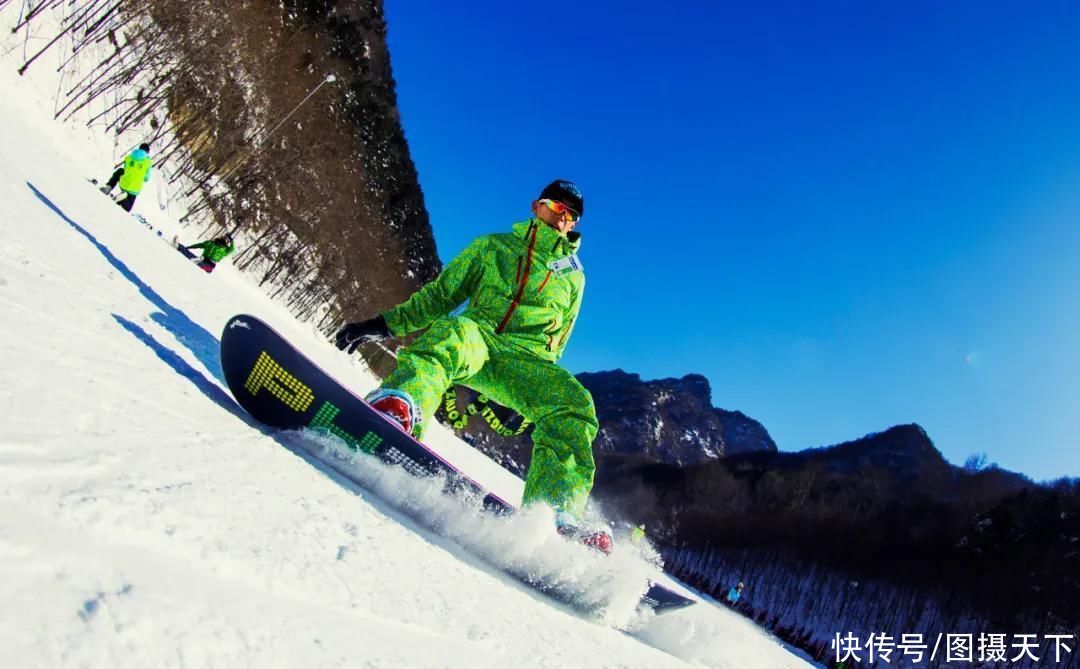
<point>354,334</point>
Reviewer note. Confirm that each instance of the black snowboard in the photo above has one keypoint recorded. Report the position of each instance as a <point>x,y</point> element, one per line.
<point>279,386</point>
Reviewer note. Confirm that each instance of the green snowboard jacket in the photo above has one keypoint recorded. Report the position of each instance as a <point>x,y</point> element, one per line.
<point>525,287</point>
<point>213,250</point>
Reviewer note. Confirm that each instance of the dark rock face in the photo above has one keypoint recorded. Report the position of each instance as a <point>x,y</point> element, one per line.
<point>668,420</point>
<point>904,450</point>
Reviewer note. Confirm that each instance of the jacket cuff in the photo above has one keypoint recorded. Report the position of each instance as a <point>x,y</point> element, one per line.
<point>393,323</point>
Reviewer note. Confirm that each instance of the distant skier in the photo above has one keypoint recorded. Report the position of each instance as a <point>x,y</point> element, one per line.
<point>524,292</point>
<point>131,176</point>
<point>214,251</point>
<point>734,595</point>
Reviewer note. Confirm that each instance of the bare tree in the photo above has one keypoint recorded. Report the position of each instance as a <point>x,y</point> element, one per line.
<point>328,202</point>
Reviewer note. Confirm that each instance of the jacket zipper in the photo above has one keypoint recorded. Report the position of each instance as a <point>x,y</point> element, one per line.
<point>550,335</point>
<point>521,287</point>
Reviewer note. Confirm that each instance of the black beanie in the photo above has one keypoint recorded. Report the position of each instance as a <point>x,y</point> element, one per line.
<point>566,192</point>
<point>145,147</point>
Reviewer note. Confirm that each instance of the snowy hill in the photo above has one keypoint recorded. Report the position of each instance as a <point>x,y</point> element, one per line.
<point>146,521</point>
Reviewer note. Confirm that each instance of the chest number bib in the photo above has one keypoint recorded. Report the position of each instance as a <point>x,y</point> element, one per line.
<point>564,265</point>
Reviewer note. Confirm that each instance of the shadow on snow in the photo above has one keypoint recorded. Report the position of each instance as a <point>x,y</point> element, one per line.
<point>207,349</point>
<point>195,337</point>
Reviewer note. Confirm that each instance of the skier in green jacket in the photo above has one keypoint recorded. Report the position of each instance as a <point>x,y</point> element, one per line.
<point>131,176</point>
<point>524,291</point>
<point>214,251</point>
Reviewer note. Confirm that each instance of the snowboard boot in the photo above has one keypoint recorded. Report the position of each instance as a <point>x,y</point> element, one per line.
<point>106,189</point>
<point>397,406</point>
<point>566,525</point>
<point>598,540</point>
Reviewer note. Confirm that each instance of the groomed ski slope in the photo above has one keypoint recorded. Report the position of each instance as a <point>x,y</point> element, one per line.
<point>146,522</point>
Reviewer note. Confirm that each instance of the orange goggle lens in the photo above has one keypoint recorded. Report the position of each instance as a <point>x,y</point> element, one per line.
<point>560,208</point>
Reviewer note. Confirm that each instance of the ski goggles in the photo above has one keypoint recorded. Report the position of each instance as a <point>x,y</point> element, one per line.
<point>560,208</point>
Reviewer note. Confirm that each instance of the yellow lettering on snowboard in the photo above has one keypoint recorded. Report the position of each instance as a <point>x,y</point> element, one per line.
<point>270,375</point>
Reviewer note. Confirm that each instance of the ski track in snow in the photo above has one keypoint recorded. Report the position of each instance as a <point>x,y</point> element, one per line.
<point>145,520</point>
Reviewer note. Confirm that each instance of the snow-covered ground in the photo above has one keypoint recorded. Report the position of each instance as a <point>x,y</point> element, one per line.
<point>146,521</point>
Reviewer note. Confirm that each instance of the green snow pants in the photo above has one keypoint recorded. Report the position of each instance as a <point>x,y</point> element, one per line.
<point>455,350</point>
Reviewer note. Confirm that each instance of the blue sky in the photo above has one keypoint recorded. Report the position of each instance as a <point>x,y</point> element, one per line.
<point>845,215</point>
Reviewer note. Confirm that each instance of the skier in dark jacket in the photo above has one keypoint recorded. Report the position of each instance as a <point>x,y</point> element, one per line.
<point>214,251</point>
<point>131,176</point>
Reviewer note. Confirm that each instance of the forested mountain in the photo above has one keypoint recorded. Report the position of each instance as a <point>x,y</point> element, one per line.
<point>877,535</point>
<point>275,120</point>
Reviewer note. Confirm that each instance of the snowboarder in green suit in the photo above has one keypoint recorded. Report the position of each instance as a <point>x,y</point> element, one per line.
<point>524,291</point>
<point>214,251</point>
